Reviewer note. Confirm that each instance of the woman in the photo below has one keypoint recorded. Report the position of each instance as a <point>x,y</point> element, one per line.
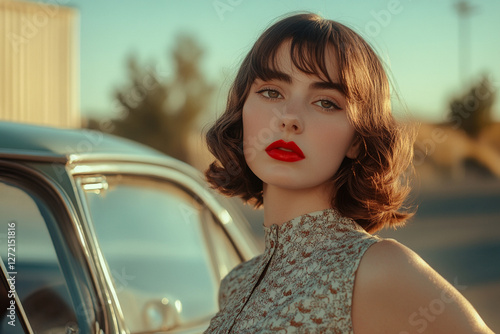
<point>308,133</point>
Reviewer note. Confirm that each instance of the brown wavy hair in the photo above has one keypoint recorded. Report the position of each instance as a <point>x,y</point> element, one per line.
<point>369,189</point>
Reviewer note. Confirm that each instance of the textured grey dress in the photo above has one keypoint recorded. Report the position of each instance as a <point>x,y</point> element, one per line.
<point>302,283</point>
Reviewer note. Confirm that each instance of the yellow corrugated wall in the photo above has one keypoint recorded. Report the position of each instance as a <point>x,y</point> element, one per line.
<point>39,63</point>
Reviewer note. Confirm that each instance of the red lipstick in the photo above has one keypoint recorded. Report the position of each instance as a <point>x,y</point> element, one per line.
<point>285,151</point>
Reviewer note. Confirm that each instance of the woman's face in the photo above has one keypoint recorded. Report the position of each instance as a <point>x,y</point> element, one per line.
<point>295,127</point>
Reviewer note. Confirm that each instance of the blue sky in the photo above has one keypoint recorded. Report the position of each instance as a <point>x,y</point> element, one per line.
<point>418,40</point>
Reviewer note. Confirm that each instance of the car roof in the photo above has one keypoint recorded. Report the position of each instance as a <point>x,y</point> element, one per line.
<point>35,142</point>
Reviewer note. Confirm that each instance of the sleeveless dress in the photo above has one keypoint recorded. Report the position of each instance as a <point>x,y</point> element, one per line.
<point>302,283</point>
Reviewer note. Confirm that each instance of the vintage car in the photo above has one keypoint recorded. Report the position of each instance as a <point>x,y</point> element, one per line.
<point>103,235</point>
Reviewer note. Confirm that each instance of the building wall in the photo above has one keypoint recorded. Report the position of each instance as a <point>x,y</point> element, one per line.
<point>39,57</point>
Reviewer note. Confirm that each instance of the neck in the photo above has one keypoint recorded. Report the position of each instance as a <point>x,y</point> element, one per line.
<point>281,205</point>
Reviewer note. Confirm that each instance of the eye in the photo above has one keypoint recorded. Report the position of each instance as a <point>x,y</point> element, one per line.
<point>327,105</point>
<point>270,93</point>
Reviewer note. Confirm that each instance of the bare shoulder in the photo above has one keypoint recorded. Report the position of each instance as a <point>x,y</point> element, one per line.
<point>396,291</point>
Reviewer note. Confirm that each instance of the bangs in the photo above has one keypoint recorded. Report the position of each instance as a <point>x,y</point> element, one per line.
<point>309,43</point>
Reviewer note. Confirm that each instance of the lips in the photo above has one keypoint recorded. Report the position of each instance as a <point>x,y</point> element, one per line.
<point>285,151</point>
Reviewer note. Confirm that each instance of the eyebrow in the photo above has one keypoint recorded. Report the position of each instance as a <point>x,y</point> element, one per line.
<point>276,75</point>
<point>329,85</point>
<point>281,76</point>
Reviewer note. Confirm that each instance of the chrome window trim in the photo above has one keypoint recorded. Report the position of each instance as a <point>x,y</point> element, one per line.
<point>210,245</point>
<point>70,212</point>
<point>246,249</point>
<point>150,159</point>
<point>25,155</point>
<point>107,283</point>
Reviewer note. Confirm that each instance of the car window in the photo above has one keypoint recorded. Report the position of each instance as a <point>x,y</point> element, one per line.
<point>151,234</point>
<point>34,263</point>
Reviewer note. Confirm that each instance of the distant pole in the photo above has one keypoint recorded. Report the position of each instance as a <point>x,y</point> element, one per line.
<point>464,9</point>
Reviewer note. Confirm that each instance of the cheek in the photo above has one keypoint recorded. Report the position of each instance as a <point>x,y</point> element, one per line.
<point>251,128</point>
<point>259,126</point>
<point>333,141</point>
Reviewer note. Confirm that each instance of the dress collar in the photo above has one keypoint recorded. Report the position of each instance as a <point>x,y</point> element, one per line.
<point>310,227</point>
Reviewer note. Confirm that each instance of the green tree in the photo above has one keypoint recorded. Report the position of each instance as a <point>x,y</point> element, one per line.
<point>161,111</point>
<point>472,111</point>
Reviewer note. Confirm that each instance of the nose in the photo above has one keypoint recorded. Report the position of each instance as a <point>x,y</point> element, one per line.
<point>290,122</point>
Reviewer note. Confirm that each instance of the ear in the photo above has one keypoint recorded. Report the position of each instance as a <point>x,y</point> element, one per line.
<point>353,150</point>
